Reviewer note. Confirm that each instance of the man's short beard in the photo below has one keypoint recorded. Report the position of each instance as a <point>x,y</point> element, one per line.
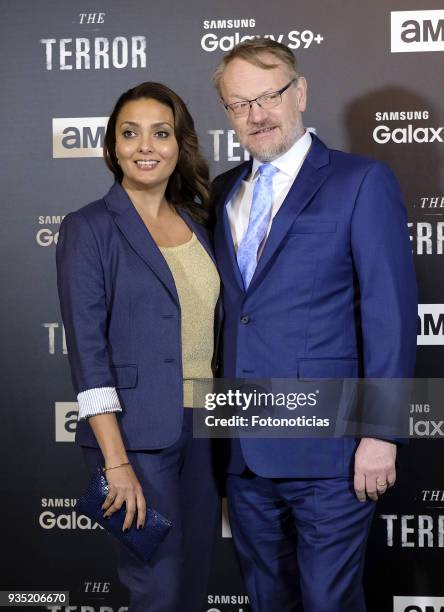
<point>275,151</point>
<point>270,153</point>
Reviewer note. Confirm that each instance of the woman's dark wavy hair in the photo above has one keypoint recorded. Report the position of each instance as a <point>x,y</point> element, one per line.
<point>188,185</point>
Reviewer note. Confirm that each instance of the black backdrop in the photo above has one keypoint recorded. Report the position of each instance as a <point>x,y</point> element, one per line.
<point>375,87</point>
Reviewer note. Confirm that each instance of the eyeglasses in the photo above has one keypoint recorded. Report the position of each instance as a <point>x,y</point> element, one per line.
<point>269,100</point>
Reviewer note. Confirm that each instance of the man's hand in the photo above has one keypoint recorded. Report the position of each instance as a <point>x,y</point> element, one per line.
<point>374,468</point>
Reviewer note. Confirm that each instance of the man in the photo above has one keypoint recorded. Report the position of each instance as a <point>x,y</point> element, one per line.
<point>314,255</point>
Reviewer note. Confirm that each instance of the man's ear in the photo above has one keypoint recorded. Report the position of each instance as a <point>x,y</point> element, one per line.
<point>301,93</point>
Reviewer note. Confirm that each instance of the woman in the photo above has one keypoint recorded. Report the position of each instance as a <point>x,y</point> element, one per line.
<point>138,290</point>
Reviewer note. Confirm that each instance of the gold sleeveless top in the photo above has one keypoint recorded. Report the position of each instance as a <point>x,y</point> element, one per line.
<point>198,286</point>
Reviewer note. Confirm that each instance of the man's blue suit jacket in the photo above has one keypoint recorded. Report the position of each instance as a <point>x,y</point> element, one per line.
<point>121,314</point>
<point>334,295</point>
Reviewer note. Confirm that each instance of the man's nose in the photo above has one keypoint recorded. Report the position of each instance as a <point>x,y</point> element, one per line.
<point>256,113</point>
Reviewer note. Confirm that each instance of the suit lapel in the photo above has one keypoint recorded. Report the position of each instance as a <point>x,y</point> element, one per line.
<point>134,230</point>
<point>313,173</point>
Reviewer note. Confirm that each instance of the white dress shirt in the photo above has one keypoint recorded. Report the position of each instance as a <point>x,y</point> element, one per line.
<point>288,164</point>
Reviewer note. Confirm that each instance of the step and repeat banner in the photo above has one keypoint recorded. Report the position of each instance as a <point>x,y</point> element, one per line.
<point>375,73</point>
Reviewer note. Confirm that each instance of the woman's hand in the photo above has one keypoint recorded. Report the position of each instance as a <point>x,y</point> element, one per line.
<point>124,488</point>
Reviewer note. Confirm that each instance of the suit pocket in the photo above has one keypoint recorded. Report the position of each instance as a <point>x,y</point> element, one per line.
<point>125,376</point>
<point>328,368</point>
<point>313,227</point>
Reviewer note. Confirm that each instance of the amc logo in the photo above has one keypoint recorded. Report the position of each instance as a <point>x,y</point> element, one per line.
<point>78,136</point>
<point>430,324</point>
<point>418,604</point>
<point>417,31</point>
<point>65,421</point>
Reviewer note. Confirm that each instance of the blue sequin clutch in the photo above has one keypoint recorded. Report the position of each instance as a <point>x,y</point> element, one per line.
<point>142,542</point>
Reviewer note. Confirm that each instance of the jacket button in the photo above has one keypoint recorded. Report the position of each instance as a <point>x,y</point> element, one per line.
<point>245,320</point>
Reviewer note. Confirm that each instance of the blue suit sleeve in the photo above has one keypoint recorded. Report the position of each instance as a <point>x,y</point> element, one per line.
<point>388,303</point>
<point>81,286</point>
<point>383,261</point>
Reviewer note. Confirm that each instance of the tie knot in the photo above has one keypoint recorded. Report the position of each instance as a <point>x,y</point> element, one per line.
<point>267,170</point>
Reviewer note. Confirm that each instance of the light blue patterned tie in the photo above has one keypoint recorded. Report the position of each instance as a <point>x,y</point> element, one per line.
<point>257,223</point>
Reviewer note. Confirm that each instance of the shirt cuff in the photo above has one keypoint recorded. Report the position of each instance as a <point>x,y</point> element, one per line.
<point>98,401</point>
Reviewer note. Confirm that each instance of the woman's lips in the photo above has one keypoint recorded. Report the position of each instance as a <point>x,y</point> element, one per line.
<point>148,164</point>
